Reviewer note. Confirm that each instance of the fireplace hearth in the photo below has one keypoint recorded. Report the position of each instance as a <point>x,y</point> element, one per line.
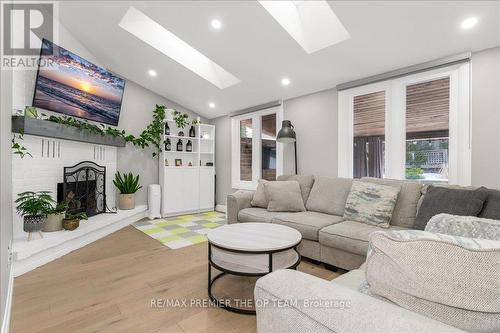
<point>84,188</point>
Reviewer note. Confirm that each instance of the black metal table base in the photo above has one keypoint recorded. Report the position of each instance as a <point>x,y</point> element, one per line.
<point>224,272</point>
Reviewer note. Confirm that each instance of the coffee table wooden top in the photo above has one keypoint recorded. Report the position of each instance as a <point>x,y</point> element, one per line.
<point>254,237</point>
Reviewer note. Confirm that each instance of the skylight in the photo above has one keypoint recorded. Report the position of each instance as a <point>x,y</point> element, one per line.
<point>141,26</point>
<point>312,24</point>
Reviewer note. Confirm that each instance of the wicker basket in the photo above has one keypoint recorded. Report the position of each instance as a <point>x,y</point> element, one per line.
<point>70,224</point>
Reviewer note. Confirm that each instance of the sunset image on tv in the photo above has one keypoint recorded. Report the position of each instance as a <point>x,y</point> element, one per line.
<point>76,87</point>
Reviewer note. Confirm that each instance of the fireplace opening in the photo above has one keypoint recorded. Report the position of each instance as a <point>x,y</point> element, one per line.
<point>84,188</point>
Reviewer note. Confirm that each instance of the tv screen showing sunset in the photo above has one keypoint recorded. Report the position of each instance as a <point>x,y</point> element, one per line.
<point>69,84</point>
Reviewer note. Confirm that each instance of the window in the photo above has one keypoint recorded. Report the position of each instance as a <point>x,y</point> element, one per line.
<point>255,152</point>
<point>369,135</point>
<point>414,127</point>
<point>427,130</point>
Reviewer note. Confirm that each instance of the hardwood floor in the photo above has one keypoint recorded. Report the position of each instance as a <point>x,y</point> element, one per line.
<point>108,285</point>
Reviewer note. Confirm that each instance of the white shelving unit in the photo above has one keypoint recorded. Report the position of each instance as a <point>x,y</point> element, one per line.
<point>188,188</point>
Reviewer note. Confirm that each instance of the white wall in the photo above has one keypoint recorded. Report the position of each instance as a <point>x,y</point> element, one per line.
<point>315,119</point>
<point>486,118</point>
<point>137,112</point>
<point>5,184</point>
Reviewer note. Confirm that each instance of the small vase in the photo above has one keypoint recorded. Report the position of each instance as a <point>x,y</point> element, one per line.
<point>33,223</point>
<point>126,201</point>
<point>192,132</point>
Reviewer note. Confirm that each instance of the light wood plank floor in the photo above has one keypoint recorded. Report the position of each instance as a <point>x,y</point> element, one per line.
<point>107,286</point>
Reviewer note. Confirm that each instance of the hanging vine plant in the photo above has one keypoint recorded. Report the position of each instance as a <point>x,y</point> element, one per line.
<point>152,135</point>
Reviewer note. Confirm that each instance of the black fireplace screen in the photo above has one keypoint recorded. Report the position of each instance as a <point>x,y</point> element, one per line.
<point>84,188</point>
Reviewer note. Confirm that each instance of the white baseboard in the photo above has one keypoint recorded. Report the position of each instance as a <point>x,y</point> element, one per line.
<point>221,208</point>
<point>8,303</point>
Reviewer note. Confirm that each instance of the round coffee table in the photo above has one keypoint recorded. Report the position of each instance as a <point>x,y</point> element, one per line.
<point>250,249</point>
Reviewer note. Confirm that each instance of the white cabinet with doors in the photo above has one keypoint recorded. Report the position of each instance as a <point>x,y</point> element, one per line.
<point>187,176</point>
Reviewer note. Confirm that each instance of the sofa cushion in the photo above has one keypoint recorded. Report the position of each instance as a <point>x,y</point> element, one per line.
<point>307,223</point>
<point>405,211</point>
<point>448,278</point>
<point>255,214</point>
<point>491,208</point>
<point>328,195</point>
<point>284,196</point>
<point>259,197</point>
<point>371,203</point>
<point>438,200</point>
<point>350,236</point>
<point>305,183</point>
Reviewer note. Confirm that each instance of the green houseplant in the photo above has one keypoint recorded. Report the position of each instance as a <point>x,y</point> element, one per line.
<point>71,221</point>
<point>33,207</point>
<point>181,119</point>
<point>55,216</point>
<point>127,185</point>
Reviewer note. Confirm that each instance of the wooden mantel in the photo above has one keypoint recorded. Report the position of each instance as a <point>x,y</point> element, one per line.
<point>49,129</point>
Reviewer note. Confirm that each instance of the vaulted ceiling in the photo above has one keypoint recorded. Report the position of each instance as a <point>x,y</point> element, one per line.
<point>252,46</point>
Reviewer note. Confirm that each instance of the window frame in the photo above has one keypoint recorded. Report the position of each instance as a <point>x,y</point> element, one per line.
<point>395,123</point>
<point>256,117</point>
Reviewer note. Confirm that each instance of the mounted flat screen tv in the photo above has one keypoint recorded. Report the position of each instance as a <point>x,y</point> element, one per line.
<point>73,86</point>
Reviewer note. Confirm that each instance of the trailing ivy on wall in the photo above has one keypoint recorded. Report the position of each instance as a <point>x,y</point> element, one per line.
<point>17,147</point>
<point>150,136</point>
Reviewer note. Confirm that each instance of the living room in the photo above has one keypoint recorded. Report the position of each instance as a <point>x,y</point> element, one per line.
<point>242,166</point>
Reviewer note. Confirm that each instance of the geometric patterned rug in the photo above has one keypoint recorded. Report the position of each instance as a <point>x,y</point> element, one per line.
<point>180,231</point>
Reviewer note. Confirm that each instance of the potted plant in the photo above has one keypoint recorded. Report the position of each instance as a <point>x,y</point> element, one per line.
<point>54,220</point>
<point>127,185</point>
<point>181,119</point>
<point>72,221</point>
<point>33,207</point>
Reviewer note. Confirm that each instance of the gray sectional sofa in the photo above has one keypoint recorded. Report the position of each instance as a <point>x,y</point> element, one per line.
<point>326,236</point>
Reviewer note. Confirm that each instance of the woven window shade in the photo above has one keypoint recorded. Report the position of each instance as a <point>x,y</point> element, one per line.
<point>427,110</point>
<point>369,114</point>
<point>428,106</point>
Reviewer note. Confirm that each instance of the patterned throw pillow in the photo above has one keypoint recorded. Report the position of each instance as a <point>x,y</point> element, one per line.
<point>464,226</point>
<point>371,203</point>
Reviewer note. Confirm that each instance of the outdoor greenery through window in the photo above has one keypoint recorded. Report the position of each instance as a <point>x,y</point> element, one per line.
<point>427,130</point>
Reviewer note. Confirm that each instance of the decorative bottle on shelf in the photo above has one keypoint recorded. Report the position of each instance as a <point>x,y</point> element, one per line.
<point>168,145</point>
<point>189,146</point>
<point>167,129</point>
<point>179,145</point>
<point>192,132</point>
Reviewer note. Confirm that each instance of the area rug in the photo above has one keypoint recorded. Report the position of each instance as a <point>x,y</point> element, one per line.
<point>181,231</point>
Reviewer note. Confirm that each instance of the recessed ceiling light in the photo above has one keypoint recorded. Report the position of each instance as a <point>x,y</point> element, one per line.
<point>211,105</point>
<point>151,32</point>
<point>469,23</point>
<point>152,73</point>
<point>285,81</point>
<point>216,24</point>
<point>312,24</point>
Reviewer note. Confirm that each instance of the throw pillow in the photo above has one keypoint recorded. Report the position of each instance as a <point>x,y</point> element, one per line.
<point>438,200</point>
<point>259,197</point>
<point>305,183</point>
<point>328,195</point>
<point>448,278</point>
<point>491,208</point>
<point>371,203</point>
<point>284,196</point>
<point>464,226</point>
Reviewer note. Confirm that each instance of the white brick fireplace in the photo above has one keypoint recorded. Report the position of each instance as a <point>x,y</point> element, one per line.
<point>44,170</point>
